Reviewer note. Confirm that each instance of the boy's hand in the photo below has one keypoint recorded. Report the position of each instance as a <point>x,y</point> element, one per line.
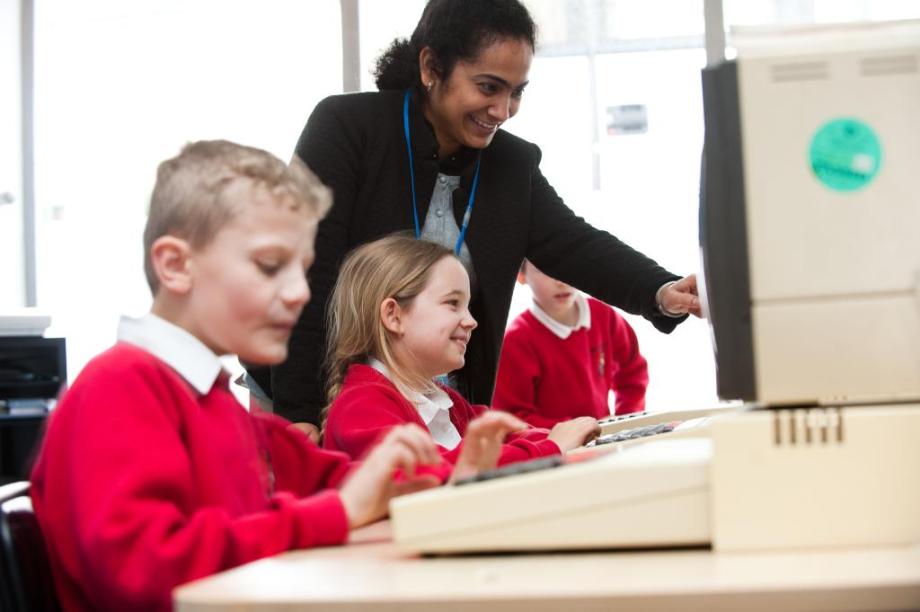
<point>577,432</point>
<point>367,492</point>
<point>310,429</point>
<point>482,443</point>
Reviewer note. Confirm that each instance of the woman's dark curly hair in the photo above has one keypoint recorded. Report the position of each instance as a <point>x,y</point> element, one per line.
<point>454,30</point>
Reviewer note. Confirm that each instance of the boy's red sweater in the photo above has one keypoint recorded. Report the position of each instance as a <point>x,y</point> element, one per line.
<point>142,484</point>
<point>544,379</point>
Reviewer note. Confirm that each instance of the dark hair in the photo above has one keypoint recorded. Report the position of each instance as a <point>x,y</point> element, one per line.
<point>454,30</point>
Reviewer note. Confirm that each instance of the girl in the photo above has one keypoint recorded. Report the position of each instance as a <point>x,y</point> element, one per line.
<point>399,318</point>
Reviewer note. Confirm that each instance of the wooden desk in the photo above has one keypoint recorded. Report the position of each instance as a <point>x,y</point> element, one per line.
<point>370,574</point>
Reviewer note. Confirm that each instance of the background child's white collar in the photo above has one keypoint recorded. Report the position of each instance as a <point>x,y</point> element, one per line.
<point>561,329</point>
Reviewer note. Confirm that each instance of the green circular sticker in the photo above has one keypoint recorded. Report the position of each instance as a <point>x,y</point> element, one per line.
<point>845,154</point>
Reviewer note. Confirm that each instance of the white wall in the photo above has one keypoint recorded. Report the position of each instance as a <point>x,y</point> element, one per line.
<point>12,282</point>
<point>120,86</point>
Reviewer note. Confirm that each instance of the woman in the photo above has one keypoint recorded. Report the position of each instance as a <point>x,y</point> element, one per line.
<point>470,186</point>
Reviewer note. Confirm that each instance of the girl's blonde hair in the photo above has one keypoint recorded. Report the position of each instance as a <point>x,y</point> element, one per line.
<point>397,267</point>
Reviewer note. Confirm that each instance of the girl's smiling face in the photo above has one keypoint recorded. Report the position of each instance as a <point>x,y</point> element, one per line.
<point>432,332</point>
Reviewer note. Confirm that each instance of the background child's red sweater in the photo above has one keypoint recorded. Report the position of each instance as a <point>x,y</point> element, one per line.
<point>369,405</point>
<point>143,484</point>
<point>544,379</point>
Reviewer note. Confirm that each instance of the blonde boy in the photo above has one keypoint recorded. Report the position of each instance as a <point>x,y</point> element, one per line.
<point>151,474</point>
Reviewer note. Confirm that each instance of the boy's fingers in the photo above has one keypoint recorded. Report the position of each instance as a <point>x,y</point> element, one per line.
<point>402,457</point>
<point>510,421</point>
<point>414,485</point>
<point>391,454</point>
<point>425,447</point>
<point>592,433</point>
<point>419,441</point>
<point>495,422</point>
<point>483,442</point>
<point>514,423</point>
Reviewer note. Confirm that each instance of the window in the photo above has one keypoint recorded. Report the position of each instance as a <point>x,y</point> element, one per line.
<point>615,105</point>
<point>121,86</point>
<point>785,12</point>
<point>12,254</point>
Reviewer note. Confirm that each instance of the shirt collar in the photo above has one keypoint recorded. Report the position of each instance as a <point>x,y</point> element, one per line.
<point>428,405</point>
<point>562,330</point>
<point>176,347</point>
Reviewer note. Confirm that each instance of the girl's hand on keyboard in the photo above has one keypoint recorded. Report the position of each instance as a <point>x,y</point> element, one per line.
<point>577,432</point>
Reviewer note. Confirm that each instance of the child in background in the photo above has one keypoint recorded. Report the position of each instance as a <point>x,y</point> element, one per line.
<point>561,358</point>
<point>398,320</point>
<point>151,474</point>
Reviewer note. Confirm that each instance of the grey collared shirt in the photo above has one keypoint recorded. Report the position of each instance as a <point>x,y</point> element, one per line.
<point>440,226</point>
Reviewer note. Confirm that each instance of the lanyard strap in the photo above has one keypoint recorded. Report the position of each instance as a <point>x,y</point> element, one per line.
<point>469,205</point>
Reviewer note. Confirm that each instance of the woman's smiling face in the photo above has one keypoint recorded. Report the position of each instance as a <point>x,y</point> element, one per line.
<point>478,96</point>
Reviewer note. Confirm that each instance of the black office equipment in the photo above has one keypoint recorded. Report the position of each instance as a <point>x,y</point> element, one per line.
<point>32,371</point>
<point>25,572</point>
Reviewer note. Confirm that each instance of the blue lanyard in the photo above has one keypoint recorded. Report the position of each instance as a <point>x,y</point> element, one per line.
<point>473,186</point>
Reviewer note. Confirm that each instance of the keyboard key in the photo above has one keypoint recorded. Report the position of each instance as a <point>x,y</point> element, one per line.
<point>523,467</point>
<point>634,433</point>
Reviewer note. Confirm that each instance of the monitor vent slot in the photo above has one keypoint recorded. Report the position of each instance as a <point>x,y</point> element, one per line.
<point>808,427</point>
<point>886,65</point>
<point>799,71</point>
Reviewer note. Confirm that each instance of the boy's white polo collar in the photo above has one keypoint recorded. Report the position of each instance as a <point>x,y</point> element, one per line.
<point>562,330</point>
<point>176,347</point>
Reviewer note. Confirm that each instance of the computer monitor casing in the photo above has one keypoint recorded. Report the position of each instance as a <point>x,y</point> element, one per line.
<point>812,284</point>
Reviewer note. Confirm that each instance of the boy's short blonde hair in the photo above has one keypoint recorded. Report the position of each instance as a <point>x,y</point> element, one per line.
<point>188,199</point>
